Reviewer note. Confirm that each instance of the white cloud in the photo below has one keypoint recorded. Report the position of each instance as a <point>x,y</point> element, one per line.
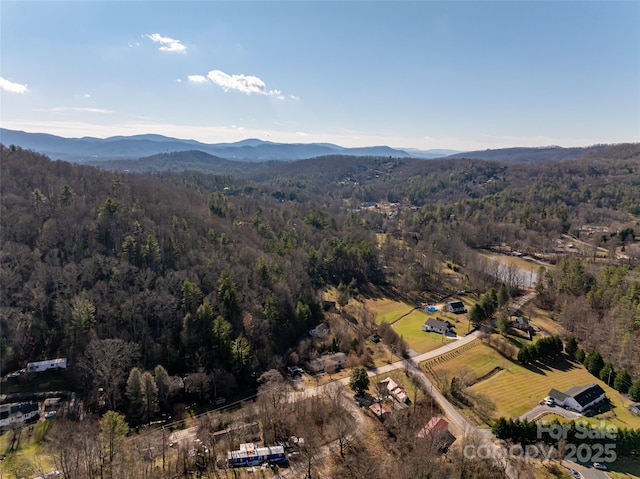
<point>197,78</point>
<point>243,83</point>
<point>12,87</point>
<point>301,133</point>
<point>168,44</point>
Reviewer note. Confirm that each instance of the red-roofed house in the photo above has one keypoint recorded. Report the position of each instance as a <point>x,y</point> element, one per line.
<point>380,410</point>
<point>436,431</point>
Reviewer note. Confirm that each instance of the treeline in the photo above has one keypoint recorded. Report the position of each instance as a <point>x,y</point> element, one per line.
<point>626,442</point>
<point>598,305</point>
<point>619,379</point>
<point>541,350</point>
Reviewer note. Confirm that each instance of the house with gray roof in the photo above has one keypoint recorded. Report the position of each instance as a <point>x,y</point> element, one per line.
<point>578,398</point>
<point>437,326</point>
<point>455,307</point>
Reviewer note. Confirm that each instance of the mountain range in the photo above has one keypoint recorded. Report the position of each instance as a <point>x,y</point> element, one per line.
<point>152,152</point>
<point>89,149</point>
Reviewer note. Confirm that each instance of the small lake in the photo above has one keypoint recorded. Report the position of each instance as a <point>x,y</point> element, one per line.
<point>511,269</point>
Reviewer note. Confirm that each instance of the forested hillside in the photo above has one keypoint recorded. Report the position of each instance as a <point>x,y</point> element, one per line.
<point>223,274</point>
<point>138,269</point>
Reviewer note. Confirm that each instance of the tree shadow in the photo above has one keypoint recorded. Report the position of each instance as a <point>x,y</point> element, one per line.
<point>560,363</point>
<point>534,368</point>
<point>563,363</point>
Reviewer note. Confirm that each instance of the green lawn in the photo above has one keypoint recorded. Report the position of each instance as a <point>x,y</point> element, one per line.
<point>387,310</point>
<point>29,459</point>
<point>516,389</point>
<point>410,328</point>
<point>477,360</point>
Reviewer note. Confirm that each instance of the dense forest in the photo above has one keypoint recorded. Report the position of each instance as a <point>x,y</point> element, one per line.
<point>152,260</point>
<point>219,276</point>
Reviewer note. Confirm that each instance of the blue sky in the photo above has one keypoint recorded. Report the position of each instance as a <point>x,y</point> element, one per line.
<point>460,75</point>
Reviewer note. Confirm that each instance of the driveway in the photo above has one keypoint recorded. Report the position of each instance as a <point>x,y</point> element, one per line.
<point>585,471</point>
<point>542,409</point>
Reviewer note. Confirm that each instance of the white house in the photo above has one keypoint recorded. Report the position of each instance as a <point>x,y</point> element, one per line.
<point>578,398</point>
<point>436,325</point>
<point>49,364</point>
<point>389,387</point>
<point>456,307</point>
<point>18,413</point>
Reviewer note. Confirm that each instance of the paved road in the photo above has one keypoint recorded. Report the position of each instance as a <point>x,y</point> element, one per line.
<point>586,472</point>
<point>520,302</point>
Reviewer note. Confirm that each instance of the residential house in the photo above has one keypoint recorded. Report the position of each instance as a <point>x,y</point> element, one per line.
<point>380,410</point>
<point>389,387</point>
<point>436,432</point>
<point>455,307</point>
<point>578,398</point>
<point>522,324</point>
<point>437,326</point>
<point>321,329</point>
<point>18,414</point>
<point>335,361</point>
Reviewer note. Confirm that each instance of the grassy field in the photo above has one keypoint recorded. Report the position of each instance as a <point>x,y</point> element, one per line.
<point>387,310</point>
<point>410,328</point>
<point>516,389</point>
<point>476,360</point>
<point>407,322</point>
<point>29,458</point>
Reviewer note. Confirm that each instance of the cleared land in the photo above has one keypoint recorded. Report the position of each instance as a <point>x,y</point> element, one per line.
<point>387,310</point>
<point>408,320</point>
<point>515,389</point>
<point>410,328</point>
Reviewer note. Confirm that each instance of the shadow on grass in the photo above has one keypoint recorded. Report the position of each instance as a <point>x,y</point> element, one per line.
<point>560,363</point>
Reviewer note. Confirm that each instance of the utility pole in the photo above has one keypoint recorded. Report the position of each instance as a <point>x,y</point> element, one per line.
<point>163,449</point>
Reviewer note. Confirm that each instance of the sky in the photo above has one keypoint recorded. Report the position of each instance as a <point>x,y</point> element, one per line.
<point>426,75</point>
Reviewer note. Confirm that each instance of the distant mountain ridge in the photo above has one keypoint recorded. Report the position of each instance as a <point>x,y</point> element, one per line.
<point>100,151</point>
<point>132,147</point>
<point>527,154</point>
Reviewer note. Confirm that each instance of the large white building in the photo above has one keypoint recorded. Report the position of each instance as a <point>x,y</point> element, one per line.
<point>578,398</point>
<point>49,364</point>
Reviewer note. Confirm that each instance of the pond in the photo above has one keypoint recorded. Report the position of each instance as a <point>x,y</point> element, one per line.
<point>512,270</point>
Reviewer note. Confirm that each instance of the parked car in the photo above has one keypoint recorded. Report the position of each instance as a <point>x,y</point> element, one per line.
<point>549,402</point>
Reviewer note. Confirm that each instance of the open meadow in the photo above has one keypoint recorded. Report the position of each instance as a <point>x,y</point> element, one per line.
<point>515,389</point>
<point>407,321</point>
